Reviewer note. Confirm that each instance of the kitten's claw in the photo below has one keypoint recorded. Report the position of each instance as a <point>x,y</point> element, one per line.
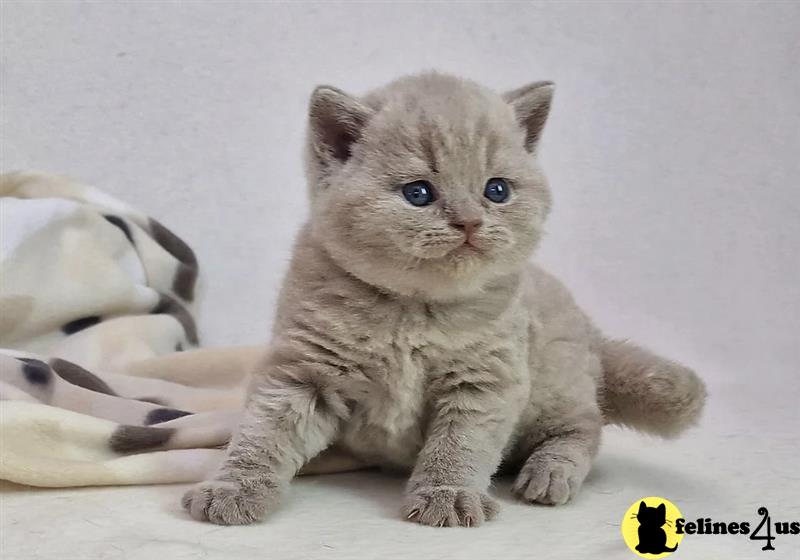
<point>226,503</point>
<point>549,479</point>
<point>449,506</point>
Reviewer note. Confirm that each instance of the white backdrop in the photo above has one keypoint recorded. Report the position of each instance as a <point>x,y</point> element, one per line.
<point>673,147</point>
<point>674,155</point>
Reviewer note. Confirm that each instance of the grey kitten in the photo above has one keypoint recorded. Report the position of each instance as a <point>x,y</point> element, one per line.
<point>413,333</point>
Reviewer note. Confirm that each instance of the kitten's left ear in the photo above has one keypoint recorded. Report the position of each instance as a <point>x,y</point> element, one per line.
<point>531,104</point>
<point>336,120</point>
<point>662,508</point>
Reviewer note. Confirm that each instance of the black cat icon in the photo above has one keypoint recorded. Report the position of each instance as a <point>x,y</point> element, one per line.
<point>652,536</point>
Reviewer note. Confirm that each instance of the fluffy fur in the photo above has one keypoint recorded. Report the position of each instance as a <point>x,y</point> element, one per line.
<point>417,343</point>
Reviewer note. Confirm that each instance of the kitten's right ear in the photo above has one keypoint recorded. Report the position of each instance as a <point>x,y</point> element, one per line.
<point>642,507</point>
<point>336,121</point>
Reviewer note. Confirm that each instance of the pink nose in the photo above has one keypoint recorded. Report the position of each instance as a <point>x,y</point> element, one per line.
<point>467,226</point>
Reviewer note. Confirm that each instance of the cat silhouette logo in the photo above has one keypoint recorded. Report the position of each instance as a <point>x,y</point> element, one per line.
<point>649,527</point>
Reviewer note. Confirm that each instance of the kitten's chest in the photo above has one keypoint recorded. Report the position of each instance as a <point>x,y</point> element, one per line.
<point>389,419</point>
<point>410,350</point>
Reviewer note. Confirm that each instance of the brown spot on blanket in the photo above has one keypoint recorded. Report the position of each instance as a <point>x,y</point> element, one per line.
<point>152,400</point>
<point>131,439</point>
<point>36,372</point>
<point>122,225</point>
<point>75,374</point>
<point>186,276</point>
<point>160,415</point>
<point>171,306</point>
<point>80,324</point>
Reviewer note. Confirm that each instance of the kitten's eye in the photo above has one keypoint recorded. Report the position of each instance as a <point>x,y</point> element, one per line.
<point>497,190</point>
<point>419,193</point>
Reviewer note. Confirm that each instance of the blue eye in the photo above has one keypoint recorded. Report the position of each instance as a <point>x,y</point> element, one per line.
<point>497,190</point>
<point>419,193</point>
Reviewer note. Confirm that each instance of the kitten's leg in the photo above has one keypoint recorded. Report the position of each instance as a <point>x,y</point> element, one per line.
<point>561,443</point>
<point>290,416</point>
<point>471,424</point>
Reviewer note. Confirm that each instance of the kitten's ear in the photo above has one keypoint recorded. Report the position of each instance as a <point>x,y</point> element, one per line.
<point>531,104</point>
<point>662,508</point>
<point>336,121</point>
<point>642,507</point>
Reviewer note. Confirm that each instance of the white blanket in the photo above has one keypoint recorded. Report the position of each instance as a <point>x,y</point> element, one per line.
<point>92,293</point>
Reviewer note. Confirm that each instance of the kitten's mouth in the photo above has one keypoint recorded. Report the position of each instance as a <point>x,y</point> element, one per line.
<point>467,247</point>
<point>446,249</point>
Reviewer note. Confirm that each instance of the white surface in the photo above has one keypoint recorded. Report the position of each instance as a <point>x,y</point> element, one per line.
<point>672,152</point>
<point>722,473</point>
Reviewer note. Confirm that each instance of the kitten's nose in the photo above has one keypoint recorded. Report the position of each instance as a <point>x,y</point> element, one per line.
<point>468,226</point>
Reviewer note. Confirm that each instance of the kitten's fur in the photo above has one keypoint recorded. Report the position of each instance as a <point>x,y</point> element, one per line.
<point>406,347</point>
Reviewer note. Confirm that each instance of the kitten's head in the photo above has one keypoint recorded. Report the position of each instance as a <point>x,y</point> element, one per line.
<point>428,186</point>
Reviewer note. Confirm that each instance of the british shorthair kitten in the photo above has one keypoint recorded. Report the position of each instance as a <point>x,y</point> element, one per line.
<point>412,331</point>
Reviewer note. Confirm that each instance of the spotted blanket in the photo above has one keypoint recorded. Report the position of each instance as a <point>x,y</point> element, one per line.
<point>101,377</point>
<point>98,377</point>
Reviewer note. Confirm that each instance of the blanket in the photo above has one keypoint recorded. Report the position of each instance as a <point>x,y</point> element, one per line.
<point>102,380</point>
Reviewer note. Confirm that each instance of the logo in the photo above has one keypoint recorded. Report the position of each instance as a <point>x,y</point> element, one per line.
<point>654,527</point>
<point>649,527</point>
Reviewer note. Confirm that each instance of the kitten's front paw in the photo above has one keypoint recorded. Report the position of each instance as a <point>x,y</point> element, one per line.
<point>449,506</point>
<point>550,479</point>
<point>227,503</point>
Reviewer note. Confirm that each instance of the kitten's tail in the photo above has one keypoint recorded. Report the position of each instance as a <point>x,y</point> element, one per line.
<point>647,392</point>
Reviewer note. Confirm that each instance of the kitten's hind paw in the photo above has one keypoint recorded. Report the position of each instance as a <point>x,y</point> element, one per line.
<point>449,506</point>
<point>547,478</point>
<point>226,503</point>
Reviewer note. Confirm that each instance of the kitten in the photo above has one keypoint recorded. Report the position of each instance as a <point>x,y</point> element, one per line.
<point>411,329</point>
<point>652,538</point>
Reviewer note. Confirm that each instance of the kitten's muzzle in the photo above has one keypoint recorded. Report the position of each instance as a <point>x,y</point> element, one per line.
<point>468,226</point>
